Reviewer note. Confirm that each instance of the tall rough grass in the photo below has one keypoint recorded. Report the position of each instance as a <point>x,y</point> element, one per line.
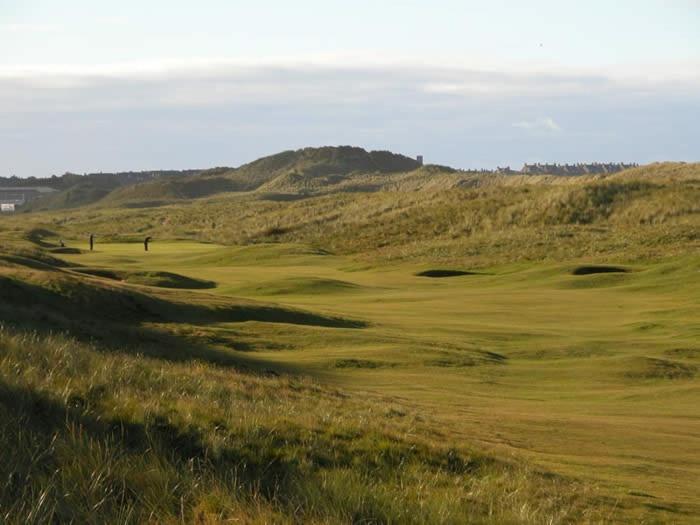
<point>641,213</point>
<point>89,437</point>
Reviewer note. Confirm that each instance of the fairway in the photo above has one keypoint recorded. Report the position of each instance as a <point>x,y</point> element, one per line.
<point>593,375</point>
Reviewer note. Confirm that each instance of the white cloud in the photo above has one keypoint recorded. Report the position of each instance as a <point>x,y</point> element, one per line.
<point>319,80</point>
<point>209,112</point>
<point>539,124</point>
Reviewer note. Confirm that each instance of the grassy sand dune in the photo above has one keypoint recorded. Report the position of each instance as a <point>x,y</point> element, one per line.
<point>510,350</point>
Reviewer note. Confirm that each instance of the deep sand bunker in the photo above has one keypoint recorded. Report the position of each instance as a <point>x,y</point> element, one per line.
<point>444,273</point>
<point>589,270</point>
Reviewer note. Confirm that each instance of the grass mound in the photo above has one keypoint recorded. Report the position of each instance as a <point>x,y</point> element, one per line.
<point>153,194</point>
<point>100,272</point>
<point>95,308</point>
<point>256,254</point>
<point>303,286</point>
<point>655,368</point>
<point>452,362</point>
<point>591,270</point>
<point>158,279</point>
<point>167,280</point>
<point>572,352</point>
<point>444,273</point>
<point>360,363</point>
<point>31,258</point>
<point>688,353</point>
<point>65,250</point>
<point>38,236</point>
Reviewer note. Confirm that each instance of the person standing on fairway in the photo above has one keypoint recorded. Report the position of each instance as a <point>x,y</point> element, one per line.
<point>92,241</point>
<point>145,243</point>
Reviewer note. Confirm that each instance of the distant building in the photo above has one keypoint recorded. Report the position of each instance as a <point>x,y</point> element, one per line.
<point>593,168</point>
<point>419,158</point>
<point>20,195</point>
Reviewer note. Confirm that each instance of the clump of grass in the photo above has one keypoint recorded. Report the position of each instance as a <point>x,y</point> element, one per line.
<point>361,363</point>
<point>652,368</point>
<point>452,362</point>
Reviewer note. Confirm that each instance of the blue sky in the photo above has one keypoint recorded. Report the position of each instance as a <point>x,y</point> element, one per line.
<point>145,85</point>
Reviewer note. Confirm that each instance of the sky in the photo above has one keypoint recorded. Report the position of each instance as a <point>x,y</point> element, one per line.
<point>135,85</point>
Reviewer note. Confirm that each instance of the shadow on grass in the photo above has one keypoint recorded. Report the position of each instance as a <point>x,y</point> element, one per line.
<point>264,468</point>
<point>149,278</point>
<point>33,259</point>
<point>119,320</point>
<point>283,197</point>
<point>92,301</point>
<point>38,236</point>
<point>39,430</point>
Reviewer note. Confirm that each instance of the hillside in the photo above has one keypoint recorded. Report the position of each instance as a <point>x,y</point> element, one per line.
<point>310,163</point>
<point>297,385</point>
<point>293,172</point>
<point>292,175</point>
<point>435,213</point>
<point>82,190</point>
<point>414,346</point>
<point>125,404</point>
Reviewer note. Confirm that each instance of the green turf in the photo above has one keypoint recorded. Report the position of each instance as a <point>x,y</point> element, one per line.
<point>550,323</point>
<point>594,376</point>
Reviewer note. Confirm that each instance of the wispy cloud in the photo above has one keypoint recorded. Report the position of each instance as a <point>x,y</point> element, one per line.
<point>539,124</point>
<point>209,112</point>
<point>214,82</point>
